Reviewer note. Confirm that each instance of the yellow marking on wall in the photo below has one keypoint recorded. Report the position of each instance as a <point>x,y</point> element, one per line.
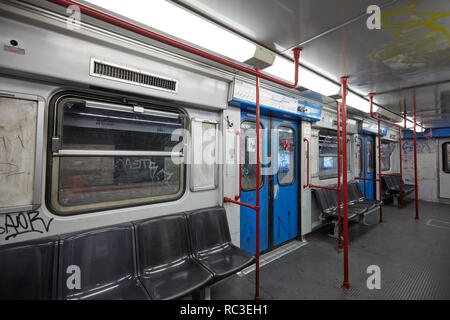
<point>419,39</point>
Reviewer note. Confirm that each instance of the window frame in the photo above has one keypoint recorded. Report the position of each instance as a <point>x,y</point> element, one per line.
<point>390,156</point>
<point>349,146</point>
<point>371,159</point>
<point>445,152</point>
<point>192,151</point>
<point>294,134</point>
<point>55,150</point>
<point>243,155</point>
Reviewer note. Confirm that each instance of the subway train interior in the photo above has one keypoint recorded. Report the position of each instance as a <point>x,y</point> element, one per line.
<point>133,135</point>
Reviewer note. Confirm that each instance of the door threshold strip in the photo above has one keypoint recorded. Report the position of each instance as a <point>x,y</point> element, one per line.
<point>274,255</point>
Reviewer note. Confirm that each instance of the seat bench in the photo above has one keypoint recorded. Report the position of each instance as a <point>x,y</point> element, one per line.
<point>392,186</point>
<point>166,257</point>
<point>28,270</point>
<point>105,261</point>
<point>357,209</point>
<point>184,253</point>
<point>211,243</point>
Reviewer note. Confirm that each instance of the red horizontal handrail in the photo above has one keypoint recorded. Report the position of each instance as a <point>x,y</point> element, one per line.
<point>177,44</point>
<point>251,206</point>
<point>369,179</point>
<point>386,121</point>
<point>380,119</point>
<point>323,187</point>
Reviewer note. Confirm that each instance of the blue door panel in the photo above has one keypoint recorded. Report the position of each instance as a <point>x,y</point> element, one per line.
<point>285,202</point>
<point>248,216</point>
<point>368,170</point>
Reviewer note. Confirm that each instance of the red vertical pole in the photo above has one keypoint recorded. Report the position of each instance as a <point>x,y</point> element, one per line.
<point>365,161</point>
<point>379,171</point>
<point>401,169</point>
<point>415,157</point>
<point>404,113</point>
<point>257,191</point>
<point>339,174</point>
<point>346,284</point>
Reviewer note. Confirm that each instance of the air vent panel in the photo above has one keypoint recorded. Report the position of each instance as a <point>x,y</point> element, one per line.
<point>115,72</point>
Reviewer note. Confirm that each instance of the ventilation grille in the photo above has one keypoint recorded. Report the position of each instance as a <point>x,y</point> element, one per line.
<point>114,72</point>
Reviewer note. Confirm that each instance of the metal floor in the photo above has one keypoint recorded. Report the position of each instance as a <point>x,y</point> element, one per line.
<point>414,258</point>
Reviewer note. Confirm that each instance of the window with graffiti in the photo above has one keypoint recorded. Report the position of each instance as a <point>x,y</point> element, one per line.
<point>110,156</point>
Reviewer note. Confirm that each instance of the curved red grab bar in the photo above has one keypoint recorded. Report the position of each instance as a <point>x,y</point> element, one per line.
<point>238,133</point>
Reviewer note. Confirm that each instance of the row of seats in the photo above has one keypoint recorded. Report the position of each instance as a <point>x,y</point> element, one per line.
<point>160,258</point>
<point>327,201</point>
<point>392,186</point>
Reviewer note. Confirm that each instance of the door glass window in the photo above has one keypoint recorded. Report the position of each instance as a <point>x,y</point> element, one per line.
<point>359,151</point>
<point>387,148</point>
<point>286,155</point>
<point>369,156</point>
<point>248,161</point>
<point>446,153</point>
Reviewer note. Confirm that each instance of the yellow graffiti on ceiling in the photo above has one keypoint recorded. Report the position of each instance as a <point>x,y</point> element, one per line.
<point>419,39</point>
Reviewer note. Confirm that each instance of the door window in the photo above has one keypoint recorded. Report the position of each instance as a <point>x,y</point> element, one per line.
<point>369,156</point>
<point>446,153</point>
<point>286,156</point>
<point>248,161</point>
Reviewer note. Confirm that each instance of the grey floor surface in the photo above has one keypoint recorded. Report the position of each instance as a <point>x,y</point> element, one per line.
<point>413,256</point>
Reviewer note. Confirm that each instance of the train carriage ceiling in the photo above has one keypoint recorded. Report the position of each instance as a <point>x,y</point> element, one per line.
<point>409,55</point>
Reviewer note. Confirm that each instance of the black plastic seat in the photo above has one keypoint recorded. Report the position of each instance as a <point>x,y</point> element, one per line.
<point>211,243</point>
<point>28,270</point>
<point>357,195</point>
<point>328,204</point>
<point>353,205</point>
<point>406,188</point>
<point>392,184</point>
<point>166,266</point>
<point>106,261</point>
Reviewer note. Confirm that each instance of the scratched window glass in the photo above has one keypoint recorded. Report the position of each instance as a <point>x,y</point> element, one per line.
<point>113,157</point>
<point>86,180</point>
<point>85,126</point>
<point>327,155</point>
<point>387,149</point>
<point>286,156</point>
<point>328,160</point>
<point>248,161</point>
<point>369,156</point>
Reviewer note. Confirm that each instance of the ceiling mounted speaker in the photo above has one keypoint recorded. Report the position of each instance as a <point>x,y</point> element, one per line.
<point>389,115</point>
<point>262,58</point>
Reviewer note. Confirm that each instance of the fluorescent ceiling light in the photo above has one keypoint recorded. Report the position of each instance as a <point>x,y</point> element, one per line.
<point>178,22</point>
<point>175,21</point>
<point>359,103</point>
<point>284,69</point>
<point>409,124</point>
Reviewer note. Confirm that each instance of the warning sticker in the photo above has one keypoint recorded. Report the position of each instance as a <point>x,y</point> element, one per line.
<point>13,49</point>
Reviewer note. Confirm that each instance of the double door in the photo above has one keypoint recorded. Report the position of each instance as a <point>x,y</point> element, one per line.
<point>278,189</point>
<point>367,143</point>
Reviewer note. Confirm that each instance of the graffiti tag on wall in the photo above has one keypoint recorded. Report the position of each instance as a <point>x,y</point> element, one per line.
<point>17,224</point>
